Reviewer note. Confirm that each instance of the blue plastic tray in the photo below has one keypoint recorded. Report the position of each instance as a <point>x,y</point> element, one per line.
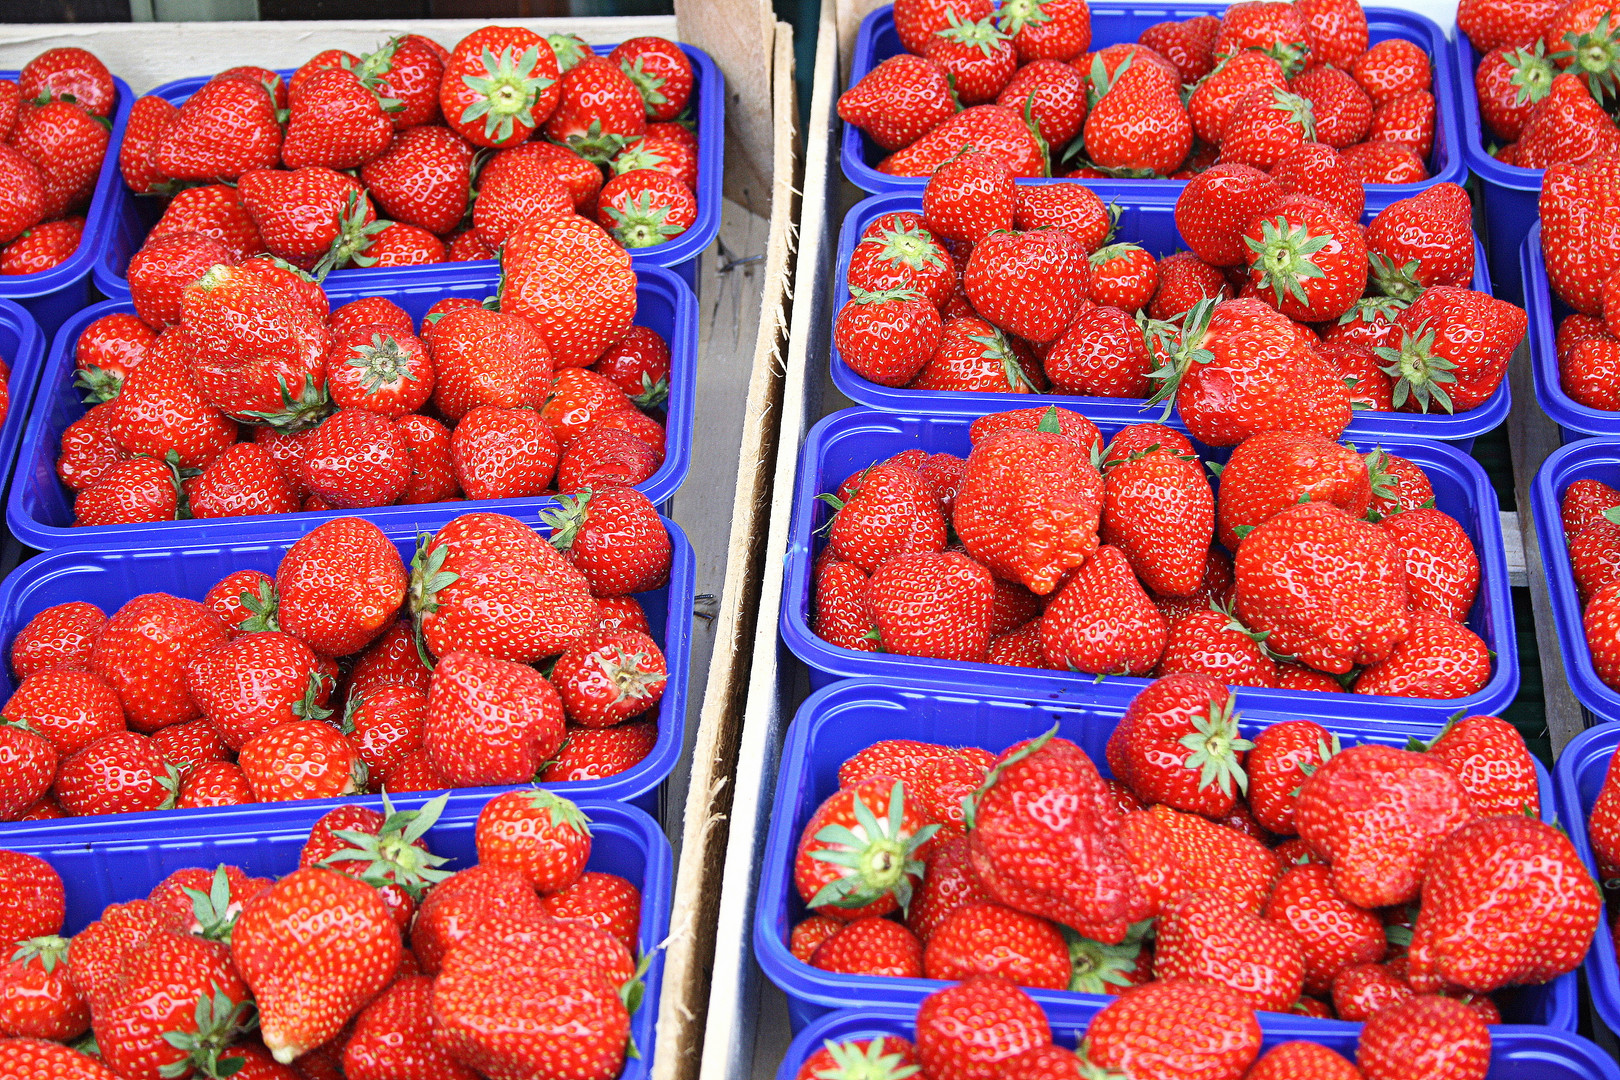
<point>100,866</point>
<point>132,216</point>
<point>1596,459</point>
<point>1545,311</point>
<point>1579,777</point>
<point>1114,23</point>
<point>109,576</point>
<point>1517,1052</point>
<point>840,720</point>
<point>1153,225</point>
<point>849,441</point>
<point>40,509</point>
<point>51,296</point>
<point>1511,195</point>
<point>22,346</point>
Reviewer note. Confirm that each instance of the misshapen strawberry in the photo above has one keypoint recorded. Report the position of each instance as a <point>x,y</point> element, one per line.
<point>1580,231</point>
<point>1028,284</point>
<point>1454,349</point>
<point>1176,1028</point>
<point>1071,869</point>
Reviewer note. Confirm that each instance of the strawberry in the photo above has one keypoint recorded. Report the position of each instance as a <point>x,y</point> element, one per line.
<point>422,178</point>
<point>1175,1027</point>
<point>981,938</point>
<point>975,356</point>
<point>1379,162</point>
<point>68,74</point>
<point>614,537</point>
<point>599,111</point>
<point>1124,276</point>
<point>245,600</point>
<point>389,373</point>
<point>179,1001</point>
<point>1240,369</point>
<point>487,358</point>
<point>1016,852</point>
<point>1277,32</point>
<point>595,753</point>
<point>1201,939</point>
<point>661,72</point>
<point>887,1057</point>
<point>385,725</point>
<point>1015,479</point>
<point>1008,270</point>
<point>568,277</point>
<point>256,682</point>
<point>1103,352</point>
<point>610,676</point>
<point>1328,589</point>
<point>638,364</point>
<point>605,901</point>
<point>400,245</point>
<point>1442,570</point>
<point>391,1036</point>
<point>149,119</point>
<point>67,144</point>
<point>1398,484</point>
<point>302,759</point>
<point>1146,750</point>
<point>1215,643</point>
<point>1159,510</point>
<point>188,745</point>
<point>465,900</point>
<point>1047,29</point>
<point>500,84</point>
<point>1489,757</point>
<point>646,207</point>
<point>1102,622</point>
<point>227,128</point>
<point>1071,425</point>
<point>407,70</point>
<point>1377,814</point>
<point>512,190</point>
<point>871,946</point>
<point>1055,95</point>
<point>129,492</point>
<point>1189,45</point>
<point>1567,127</point>
<point>503,453</point>
<point>607,455</point>
<point>888,336</point>
<point>1336,31</point>
<point>1264,126</point>
<point>34,897</point>
<point>1342,112</point>
<point>1269,472</point>
<point>840,616</point>
<point>164,267</point>
<point>36,997</point>
<point>544,837</point>
<point>59,637</point>
<point>1306,259</point>
<point>356,458</point>
<point>1427,1036</point>
<point>969,197</point>
<point>216,211</point>
<point>70,708</point>
<point>1491,24</point>
<point>315,218</point>
<point>340,586</point>
<point>1322,173</point>
<point>1075,209</point>
<point>934,604</point>
<point>1422,241</point>
<point>971,1030</point>
<point>1336,934</point>
<point>47,244</point>
<point>917,21</point>
<point>1407,119</point>
<point>1211,103</point>
<point>1509,82</point>
<point>1137,125</point>
<point>120,773</point>
<point>310,975</point>
<point>1284,755</point>
<point>1392,66</point>
<point>490,721</point>
<point>1185,280</point>
<point>336,121</point>
<point>849,875</point>
<point>1578,240</point>
<point>978,59</point>
<point>995,129</point>
<point>1299,1060</point>
<point>107,351</point>
<point>143,650</point>
<point>1440,658</point>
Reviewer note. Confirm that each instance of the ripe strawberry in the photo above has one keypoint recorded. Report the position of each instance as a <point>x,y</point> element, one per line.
<point>47,244</point>
<point>313,217</point>
<point>1336,31</point>
<point>1440,658</point>
<point>544,837</point>
<point>60,637</point>
<point>1124,276</point>
<point>179,1000</point>
<point>1137,125</point>
<point>1490,24</point>
<point>1159,510</point>
<point>340,586</point>
<point>310,974</point>
<point>978,59</point>
<point>646,207</point>
<point>1047,29</point>
<point>1055,95</point>
<point>106,352</point>
<point>227,128</point>
<point>917,21</point>
<point>1013,847</point>
<point>888,511</point>
<point>500,84</point>
<point>336,120</point>
<point>1575,233</point>
<point>143,650</point>
<point>129,492</point>
<point>391,1036</point>
<point>1454,348</point>
<point>68,74</point>
<point>1322,173</point>
<point>67,144</point>
<point>610,676</point>
<point>422,178</point>
<point>887,337</point>
<point>119,774</point>
<point>490,721</point>
<point>1274,470</point>
<point>871,946</point>
<point>1007,270</point>
<point>971,1030</point>
<point>356,458</point>
<point>887,1057</point>
<point>1306,259</point>
<point>166,265</point>
<point>34,897</point>
<point>400,245</point>
<point>1334,933</point>
<point>487,358</point>
<point>37,999</point>
<point>975,356</point>
<point>993,128</point>
<point>969,197</point>
<point>1490,758</point>
<point>1407,119</point>
<point>599,111</point>
<point>242,481</point>
<point>1211,103</point>
<point>245,600</point>
<point>215,211</point>
<point>1284,755</point>
<point>1379,162</point>
<point>849,875</point>
<point>185,746</point>
<point>1201,939</point>
<point>638,364</point>
<point>23,206</point>
<point>980,938</point>
<point>1104,352</point>
<point>614,537</point>
<point>1377,814</point>
<point>1275,32</point>
<point>1101,621</point>
<point>661,72</point>
<point>1152,749</point>
<point>302,759</point>
<point>503,453</point>
<point>256,682</point>
<point>568,277</point>
<point>465,900</point>
<point>70,708</point>
<point>1392,66</point>
<point>1442,570</point>
<point>1297,1060</point>
<point>1075,209</point>
<point>934,604</point>
<point>1176,1026</point>
<point>1296,573</point>
<point>1342,112</point>
<point>1426,1036</point>
<point>1509,82</point>
<point>23,1057</point>
<point>595,753</point>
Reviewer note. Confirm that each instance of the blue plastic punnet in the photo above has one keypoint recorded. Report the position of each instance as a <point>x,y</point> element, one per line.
<point>1518,1052</point>
<point>22,348</point>
<point>1113,23</point>
<point>102,866</point>
<point>1151,224</point>
<point>109,576</point>
<point>133,215</point>
<point>51,296</point>
<point>1545,311</point>
<point>40,508</point>
<point>1510,196</point>
<point>849,441</point>
<point>838,721</point>
<point>1578,778</point>
<point>1587,459</point>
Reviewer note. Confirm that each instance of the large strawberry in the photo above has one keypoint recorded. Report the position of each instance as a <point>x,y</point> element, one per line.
<point>1175,1028</point>
<point>1071,868</point>
<point>251,684</point>
<point>887,511</point>
<point>1334,933</point>
<point>340,586</point>
<point>1454,349</point>
<point>1580,230</point>
<point>422,178</point>
<point>500,84</point>
<point>887,337</point>
<point>1101,621</point>
<point>143,650</point>
<point>490,721</point>
<point>1306,259</point>
<point>1328,589</point>
<point>992,128</point>
<point>1377,814</point>
<point>934,604</point>
<point>1158,509</point>
<point>314,217</point>
<point>1430,1036</point>
<point>1138,126</point>
<point>335,120</point>
<point>1201,939</point>
<point>1215,208</point>
<point>179,1004</point>
<point>599,111</point>
<point>1178,744</point>
<point>1274,470</point>
<point>227,128</point>
<point>568,277</point>
<point>1490,758</point>
<point>1028,284</point>
<point>1020,485</point>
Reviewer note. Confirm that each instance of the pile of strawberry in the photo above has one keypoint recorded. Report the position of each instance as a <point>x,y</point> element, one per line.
<point>346,671</point>
<point>369,960</point>
<point>1548,74</point>
<point>54,130</point>
<point>1590,509</point>
<point>1169,1031</point>
<point>1046,548</point>
<point>235,390</point>
<point>256,164</point>
<point>1305,877</point>
<point>1580,224</point>
<point>999,287</point>
<point>1249,88</point>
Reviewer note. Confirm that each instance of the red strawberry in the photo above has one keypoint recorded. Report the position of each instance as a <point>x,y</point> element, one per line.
<point>490,721</point>
<point>1322,173</point>
<point>119,774</point>
<point>977,58</point>
<point>1577,238</point>
<point>595,753</point>
<point>1296,1060</point>
<point>972,1030</point>
<point>1509,82</point>
<point>1341,110</point>
<point>1176,1026</point>
<point>544,837</point>
<point>34,897</point>
<point>214,210</point>
<point>1495,767</point>
<point>599,110</point>
<point>503,453</point>
<point>256,682</point>
<point>993,128</point>
<point>1306,259</point>
<point>464,901</point>
<point>1047,29</point>
<point>1159,510</point>
<point>500,84</point>
<point>227,128</point>
<point>340,586</point>
<point>1440,658</point>
<point>934,604</point>
<point>871,946</point>
<point>1006,270</point>
<point>37,999</point>
<point>1075,209</point>
<point>71,708</point>
<point>1102,622</point>
<point>1215,643</point>
<point>422,178</point>
<point>1137,125</point>
<point>568,277</point>
<point>245,601</point>
<point>336,120</point>
<point>24,204</point>
<point>165,266</point>
<point>887,337</point>
<point>1152,749</point>
<point>392,1036</point>
<point>127,493</point>
<point>60,637</point>
<point>916,21</point>
<point>1234,77</point>
<point>660,71</point>
<point>897,255</point>
<point>1428,1036</point>
<point>1201,939</point>
<point>1272,471</point>
<point>849,875</point>
<point>47,244</point>
<point>1103,352</point>
<point>1055,95</point>
<point>143,650</point>
<point>887,1057</point>
<point>1283,756</point>
<point>969,197</point>
<point>1442,570</point>
<point>313,217</point>
<point>982,938</point>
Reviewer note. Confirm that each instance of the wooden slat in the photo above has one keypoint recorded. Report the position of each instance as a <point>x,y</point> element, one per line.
<point>738,34</point>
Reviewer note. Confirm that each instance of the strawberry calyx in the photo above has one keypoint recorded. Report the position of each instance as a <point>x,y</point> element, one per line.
<point>878,857</point>
<point>643,223</point>
<point>1532,73</point>
<point>49,951</point>
<point>1290,55</point>
<point>1420,374</point>
<point>981,34</point>
<point>1418,746</point>
<point>381,362</point>
<point>169,782</point>
<point>309,707</point>
<point>1105,255</point>
<point>858,295</point>
<point>1370,309</point>
<point>1101,80</point>
<point>98,384</point>
<point>1325,752</point>
<point>597,145</point>
<point>568,517</point>
<point>391,855</point>
<point>428,576</point>
<point>261,608</point>
<point>910,247</point>
<point>1091,1071</point>
<point>506,91</point>
<point>214,910</point>
<point>219,1022</point>
<point>1095,967</point>
<point>570,50</point>
<point>1215,744</point>
<point>639,156</point>
<point>1179,356</point>
<point>852,1061</point>
<point>970,803</point>
<point>1297,108</point>
<point>304,409</point>
<point>561,811</point>
<point>653,394</point>
<point>628,675</point>
<point>1382,480</point>
<point>354,236</point>
<point>998,350</point>
<point>1399,281</point>
<point>1594,55</point>
<point>650,85</point>
<point>1284,256</point>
